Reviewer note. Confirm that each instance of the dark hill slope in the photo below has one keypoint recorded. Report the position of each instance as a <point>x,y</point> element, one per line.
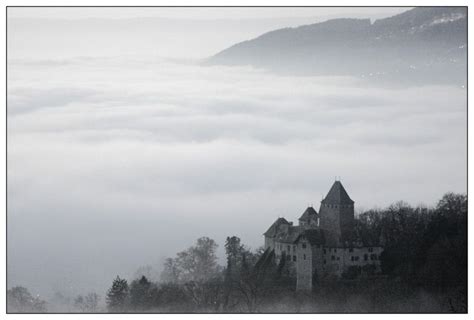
<point>423,45</point>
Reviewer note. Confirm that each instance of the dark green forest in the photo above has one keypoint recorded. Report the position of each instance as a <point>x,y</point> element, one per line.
<point>424,269</point>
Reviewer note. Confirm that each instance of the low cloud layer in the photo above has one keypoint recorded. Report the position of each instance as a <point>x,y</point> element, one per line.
<point>114,163</point>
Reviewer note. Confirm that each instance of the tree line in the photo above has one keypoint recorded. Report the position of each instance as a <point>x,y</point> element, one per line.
<point>424,259</point>
<point>423,248</point>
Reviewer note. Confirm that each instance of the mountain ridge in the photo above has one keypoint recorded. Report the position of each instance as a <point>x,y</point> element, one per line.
<point>423,43</point>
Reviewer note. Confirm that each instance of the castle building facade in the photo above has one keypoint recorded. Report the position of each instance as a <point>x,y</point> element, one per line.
<point>323,244</point>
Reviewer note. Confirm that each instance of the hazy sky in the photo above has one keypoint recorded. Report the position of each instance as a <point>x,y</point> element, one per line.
<point>202,13</point>
<point>188,33</point>
<point>120,155</point>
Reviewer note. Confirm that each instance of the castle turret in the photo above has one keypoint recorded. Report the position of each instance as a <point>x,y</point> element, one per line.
<point>337,215</point>
<point>309,219</point>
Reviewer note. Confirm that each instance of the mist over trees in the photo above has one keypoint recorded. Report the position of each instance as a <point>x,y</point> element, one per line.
<point>20,300</point>
<point>197,263</point>
<point>88,303</point>
<point>117,296</point>
<point>424,269</point>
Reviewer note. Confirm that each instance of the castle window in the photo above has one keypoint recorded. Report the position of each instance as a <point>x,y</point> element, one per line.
<point>288,257</point>
<point>352,258</point>
<point>288,248</point>
<point>304,245</point>
<point>324,262</point>
<point>338,259</point>
<point>351,250</point>
<point>294,248</point>
<point>371,249</point>
<point>333,258</point>
<point>294,258</point>
<point>366,257</point>
<point>304,257</point>
<point>335,250</point>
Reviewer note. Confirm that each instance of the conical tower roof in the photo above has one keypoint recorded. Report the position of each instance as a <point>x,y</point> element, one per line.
<point>337,195</point>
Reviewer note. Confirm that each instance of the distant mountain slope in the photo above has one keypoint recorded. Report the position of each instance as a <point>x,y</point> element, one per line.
<point>427,44</point>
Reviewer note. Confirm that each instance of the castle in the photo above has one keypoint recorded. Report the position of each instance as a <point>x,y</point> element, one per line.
<point>325,244</point>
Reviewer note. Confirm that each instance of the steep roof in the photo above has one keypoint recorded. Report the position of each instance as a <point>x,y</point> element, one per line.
<point>314,236</point>
<point>290,235</point>
<point>309,212</point>
<point>338,195</point>
<point>271,232</point>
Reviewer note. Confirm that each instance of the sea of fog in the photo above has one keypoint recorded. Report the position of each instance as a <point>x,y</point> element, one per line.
<point>117,162</point>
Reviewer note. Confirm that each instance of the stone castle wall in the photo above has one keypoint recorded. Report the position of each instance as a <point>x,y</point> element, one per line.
<point>304,266</point>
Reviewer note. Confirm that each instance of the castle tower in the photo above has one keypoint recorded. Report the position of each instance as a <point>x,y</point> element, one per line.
<point>337,216</point>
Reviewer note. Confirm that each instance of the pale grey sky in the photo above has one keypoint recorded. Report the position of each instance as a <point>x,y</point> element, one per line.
<point>186,33</point>
<point>203,13</point>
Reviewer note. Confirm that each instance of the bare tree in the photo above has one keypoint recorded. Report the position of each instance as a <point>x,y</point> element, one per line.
<point>88,303</point>
<point>20,300</point>
<point>197,263</point>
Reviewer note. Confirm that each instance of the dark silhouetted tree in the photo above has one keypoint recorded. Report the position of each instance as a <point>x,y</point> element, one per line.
<point>117,296</point>
<point>171,297</point>
<point>141,294</point>
<point>254,280</point>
